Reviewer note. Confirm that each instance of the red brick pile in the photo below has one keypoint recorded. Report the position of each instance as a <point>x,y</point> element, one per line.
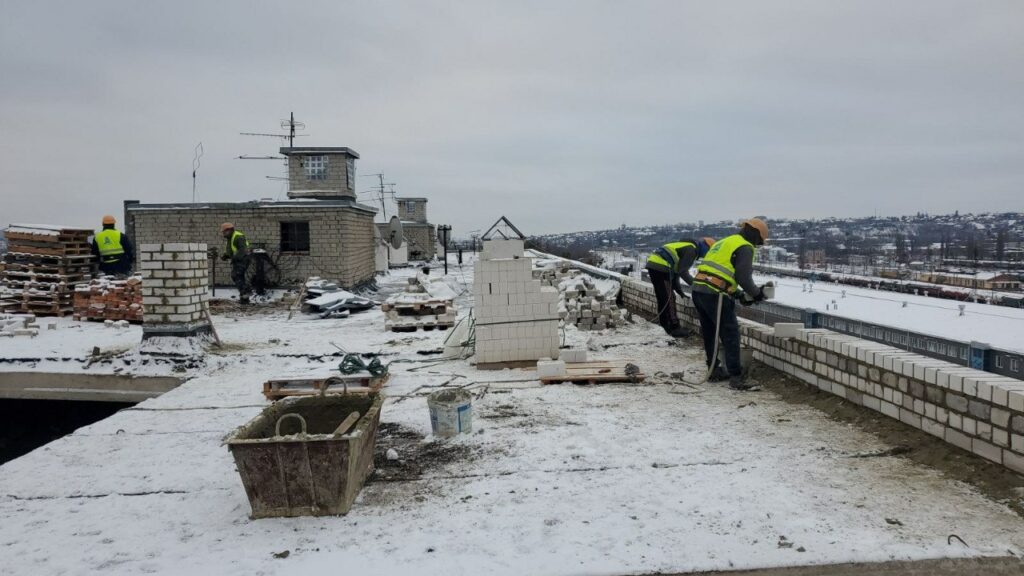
<point>109,299</point>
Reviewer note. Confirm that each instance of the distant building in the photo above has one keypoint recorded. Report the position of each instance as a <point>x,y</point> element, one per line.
<point>977,280</point>
<point>419,233</point>
<point>321,230</point>
<point>814,258</point>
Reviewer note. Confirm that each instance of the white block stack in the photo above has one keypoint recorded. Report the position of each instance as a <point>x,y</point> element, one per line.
<point>175,280</point>
<point>516,317</point>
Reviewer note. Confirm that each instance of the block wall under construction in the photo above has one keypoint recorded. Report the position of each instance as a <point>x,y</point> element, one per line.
<point>327,238</point>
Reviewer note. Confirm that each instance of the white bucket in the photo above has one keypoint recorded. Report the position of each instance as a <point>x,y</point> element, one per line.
<point>451,412</point>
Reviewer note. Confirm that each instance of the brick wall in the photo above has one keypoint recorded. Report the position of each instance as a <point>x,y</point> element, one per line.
<point>341,237</point>
<point>410,210</point>
<point>175,277</point>
<point>336,181</point>
<point>974,410</point>
<point>422,241</point>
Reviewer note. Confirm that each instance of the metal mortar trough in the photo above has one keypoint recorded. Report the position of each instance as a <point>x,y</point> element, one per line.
<point>292,461</point>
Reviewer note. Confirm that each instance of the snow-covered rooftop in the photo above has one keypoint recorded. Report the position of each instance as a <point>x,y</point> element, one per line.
<point>559,480</point>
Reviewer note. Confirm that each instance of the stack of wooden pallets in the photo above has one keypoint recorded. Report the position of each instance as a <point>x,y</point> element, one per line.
<point>42,266</point>
<point>407,312</point>
<point>108,299</point>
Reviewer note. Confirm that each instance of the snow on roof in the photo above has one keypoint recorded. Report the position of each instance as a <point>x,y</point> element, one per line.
<point>997,326</point>
<point>40,229</point>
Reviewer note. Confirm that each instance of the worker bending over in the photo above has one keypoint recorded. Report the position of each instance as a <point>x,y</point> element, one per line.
<point>113,249</point>
<point>668,267</point>
<point>237,251</point>
<point>727,273</point>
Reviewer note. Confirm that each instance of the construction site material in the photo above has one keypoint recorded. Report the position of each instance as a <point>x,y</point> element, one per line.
<point>364,383</point>
<point>329,301</point>
<point>550,368</point>
<point>175,280</point>
<point>581,304</point>
<point>310,471</point>
<point>417,308</point>
<point>42,266</point>
<point>597,372</point>
<point>109,298</point>
<point>516,317</point>
<point>573,355</point>
<point>18,325</point>
<point>787,329</point>
<point>451,412</point>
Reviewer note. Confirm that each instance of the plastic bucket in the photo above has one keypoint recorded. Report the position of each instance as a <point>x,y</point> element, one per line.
<point>451,412</point>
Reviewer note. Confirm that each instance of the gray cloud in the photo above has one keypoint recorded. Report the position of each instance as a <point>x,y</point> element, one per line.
<point>560,115</point>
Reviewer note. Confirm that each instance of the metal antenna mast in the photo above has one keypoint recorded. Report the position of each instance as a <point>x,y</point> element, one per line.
<point>195,166</point>
<point>380,190</point>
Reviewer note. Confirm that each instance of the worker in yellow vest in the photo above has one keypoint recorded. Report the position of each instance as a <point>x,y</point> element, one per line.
<point>668,267</point>
<point>237,251</point>
<point>113,249</point>
<point>726,275</point>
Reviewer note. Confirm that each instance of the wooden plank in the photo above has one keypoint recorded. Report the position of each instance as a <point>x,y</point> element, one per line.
<point>595,372</point>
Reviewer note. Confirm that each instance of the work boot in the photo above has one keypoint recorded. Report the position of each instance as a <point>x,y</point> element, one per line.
<point>737,382</point>
<point>718,375</point>
<point>678,331</point>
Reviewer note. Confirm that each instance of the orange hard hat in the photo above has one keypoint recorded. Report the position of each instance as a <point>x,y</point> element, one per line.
<point>226,226</point>
<point>108,219</point>
<point>759,225</point>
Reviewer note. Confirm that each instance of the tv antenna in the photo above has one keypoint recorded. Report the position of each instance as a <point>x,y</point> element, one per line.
<point>198,155</point>
<point>380,191</point>
<point>291,125</point>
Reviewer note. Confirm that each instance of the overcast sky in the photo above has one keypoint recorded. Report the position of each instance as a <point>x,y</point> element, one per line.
<point>560,115</point>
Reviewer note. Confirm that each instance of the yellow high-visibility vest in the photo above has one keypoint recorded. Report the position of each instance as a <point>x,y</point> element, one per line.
<point>666,258</point>
<point>717,271</point>
<point>231,242</point>
<point>109,243</point>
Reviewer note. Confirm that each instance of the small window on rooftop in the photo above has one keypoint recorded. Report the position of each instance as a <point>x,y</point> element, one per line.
<point>410,208</point>
<point>294,236</point>
<point>316,167</point>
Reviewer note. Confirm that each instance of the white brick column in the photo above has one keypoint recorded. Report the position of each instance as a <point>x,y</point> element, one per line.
<point>175,280</point>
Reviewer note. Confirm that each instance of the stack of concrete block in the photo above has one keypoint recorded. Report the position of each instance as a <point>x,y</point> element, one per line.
<point>175,280</point>
<point>18,325</point>
<point>584,306</point>
<point>516,318</point>
<point>553,275</point>
<point>108,298</point>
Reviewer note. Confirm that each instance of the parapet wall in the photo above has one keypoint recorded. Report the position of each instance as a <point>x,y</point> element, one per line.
<point>971,409</point>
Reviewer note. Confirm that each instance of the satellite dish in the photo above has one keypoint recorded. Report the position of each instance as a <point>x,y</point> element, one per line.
<point>395,232</point>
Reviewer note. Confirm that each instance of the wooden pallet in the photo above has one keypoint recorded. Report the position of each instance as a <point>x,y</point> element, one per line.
<point>594,372</point>
<point>352,383</point>
<point>426,326</point>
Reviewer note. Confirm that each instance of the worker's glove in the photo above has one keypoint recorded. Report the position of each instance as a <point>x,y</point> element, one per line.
<point>759,297</point>
<point>745,299</point>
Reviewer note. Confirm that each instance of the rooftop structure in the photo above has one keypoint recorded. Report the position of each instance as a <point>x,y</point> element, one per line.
<point>321,172</point>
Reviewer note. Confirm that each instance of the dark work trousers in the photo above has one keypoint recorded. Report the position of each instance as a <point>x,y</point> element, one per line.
<point>239,268</point>
<point>120,267</point>
<point>729,333</point>
<point>666,299</point>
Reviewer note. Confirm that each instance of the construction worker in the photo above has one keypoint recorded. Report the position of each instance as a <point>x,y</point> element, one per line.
<point>237,251</point>
<point>113,249</point>
<point>668,267</point>
<point>726,275</point>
